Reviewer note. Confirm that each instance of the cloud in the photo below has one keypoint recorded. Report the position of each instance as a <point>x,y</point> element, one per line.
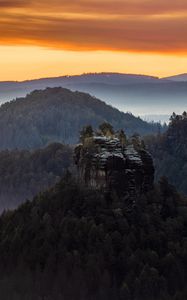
<point>129,25</point>
<point>124,7</point>
<point>13,3</point>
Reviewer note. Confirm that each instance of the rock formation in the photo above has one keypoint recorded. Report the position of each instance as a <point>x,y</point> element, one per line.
<point>103,162</point>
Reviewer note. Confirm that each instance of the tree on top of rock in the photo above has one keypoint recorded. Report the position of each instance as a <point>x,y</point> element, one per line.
<point>107,129</point>
<point>136,140</point>
<point>122,137</point>
<point>184,115</point>
<point>86,133</point>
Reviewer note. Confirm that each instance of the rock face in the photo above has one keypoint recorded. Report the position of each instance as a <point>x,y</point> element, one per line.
<point>104,163</point>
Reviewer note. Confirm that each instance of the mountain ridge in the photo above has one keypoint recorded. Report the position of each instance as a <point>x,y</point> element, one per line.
<point>85,75</point>
<point>179,77</point>
<point>127,92</point>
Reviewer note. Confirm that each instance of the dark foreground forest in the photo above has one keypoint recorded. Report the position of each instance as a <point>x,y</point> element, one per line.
<point>73,243</point>
<point>25,173</point>
<point>169,151</point>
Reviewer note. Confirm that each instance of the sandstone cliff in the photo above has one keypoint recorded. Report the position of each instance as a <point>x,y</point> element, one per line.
<point>103,162</point>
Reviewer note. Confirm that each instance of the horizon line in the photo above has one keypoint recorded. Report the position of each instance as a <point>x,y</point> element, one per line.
<point>93,73</point>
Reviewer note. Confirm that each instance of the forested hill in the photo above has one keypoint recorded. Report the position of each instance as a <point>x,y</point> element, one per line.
<point>57,115</point>
<point>25,173</point>
<point>73,243</point>
<point>170,152</point>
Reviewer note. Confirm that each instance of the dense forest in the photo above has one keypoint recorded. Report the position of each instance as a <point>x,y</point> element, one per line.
<point>57,115</point>
<point>73,243</point>
<point>25,173</point>
<point>169,151</point>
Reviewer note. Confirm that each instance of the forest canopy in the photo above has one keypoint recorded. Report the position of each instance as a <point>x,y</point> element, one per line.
<point>169,151</point>
<point>24,173</point>
<point>74,243</point>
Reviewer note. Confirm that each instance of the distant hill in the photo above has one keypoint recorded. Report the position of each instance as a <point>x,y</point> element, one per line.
<point>57,115</point>
<point>180,77</point>
<point>12,89</point>
<point>139,94</point>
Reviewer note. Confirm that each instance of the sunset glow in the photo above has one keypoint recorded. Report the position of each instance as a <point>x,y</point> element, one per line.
<point>72,37</point>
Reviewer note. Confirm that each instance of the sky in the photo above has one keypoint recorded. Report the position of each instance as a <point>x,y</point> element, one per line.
<point>42,38</point>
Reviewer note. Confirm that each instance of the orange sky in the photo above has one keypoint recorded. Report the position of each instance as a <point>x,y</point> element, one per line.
<point>51,38</point>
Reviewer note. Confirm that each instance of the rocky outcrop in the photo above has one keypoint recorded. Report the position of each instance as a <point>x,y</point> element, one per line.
<point>96,161</point>
<point>104,163</point>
